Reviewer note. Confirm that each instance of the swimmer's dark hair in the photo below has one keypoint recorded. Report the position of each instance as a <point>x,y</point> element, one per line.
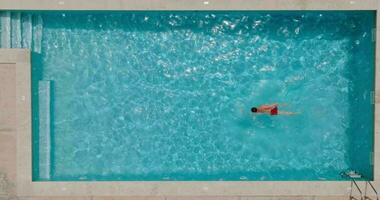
<point>254,109</point>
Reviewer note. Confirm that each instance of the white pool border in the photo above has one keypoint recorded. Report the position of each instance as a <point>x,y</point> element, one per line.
<point>21,57</point>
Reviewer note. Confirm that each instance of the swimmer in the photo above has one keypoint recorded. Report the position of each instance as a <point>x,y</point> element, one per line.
<point>271,109</point>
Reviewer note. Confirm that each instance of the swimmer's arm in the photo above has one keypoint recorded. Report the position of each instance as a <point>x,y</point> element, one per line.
<point>280,104</point>
<point>259,113</point>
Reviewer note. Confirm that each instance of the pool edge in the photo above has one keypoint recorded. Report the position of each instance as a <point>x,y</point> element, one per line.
<point>188,5</point>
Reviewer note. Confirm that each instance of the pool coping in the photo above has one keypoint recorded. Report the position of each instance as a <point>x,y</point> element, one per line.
<point>22,60</point>
<point>188,5</point>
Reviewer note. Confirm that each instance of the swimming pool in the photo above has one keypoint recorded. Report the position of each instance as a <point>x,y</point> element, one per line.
<point>166,95</point>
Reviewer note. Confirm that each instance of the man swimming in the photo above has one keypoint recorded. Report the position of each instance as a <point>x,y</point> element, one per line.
<point>271,109</point>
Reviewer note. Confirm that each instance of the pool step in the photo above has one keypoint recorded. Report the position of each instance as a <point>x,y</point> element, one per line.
<point>5,23</point>
<point>21,30</point>
<point>44,90</point>
<point>27,31</point>
<point>16,30</point>
<point>37,33</point>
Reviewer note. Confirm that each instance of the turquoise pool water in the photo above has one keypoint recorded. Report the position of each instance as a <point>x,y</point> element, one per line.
<point>167,95</point>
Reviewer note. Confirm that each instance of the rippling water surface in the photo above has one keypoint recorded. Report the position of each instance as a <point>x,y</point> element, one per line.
<point>167,95</point>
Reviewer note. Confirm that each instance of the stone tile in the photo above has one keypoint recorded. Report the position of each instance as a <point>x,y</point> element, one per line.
<point>279,198</point>
<point>377,117</point>
<point>55,198</point>
<point>202,198</point>
<point>7,97</point>
<point>24,129</point>
<point>296,198</point>
<point>8,156</point>
<point>128,198</point>
<point>377,94</point>
<point>14,55</point>
<point>332,198</point>
<point>376,161</point>
<point>377,164</point>
<point>7,166</point>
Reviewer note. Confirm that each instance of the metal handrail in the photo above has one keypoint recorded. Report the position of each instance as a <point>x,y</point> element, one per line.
<point>353,182</point>
<point>373,188</point>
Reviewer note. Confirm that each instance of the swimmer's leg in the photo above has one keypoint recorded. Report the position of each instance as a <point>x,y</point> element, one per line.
<point>288,113</point>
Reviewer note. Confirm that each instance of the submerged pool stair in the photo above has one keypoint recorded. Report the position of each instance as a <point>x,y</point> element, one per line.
<point>21,30</point>
<point>44,144</point>
<point>24,30</point>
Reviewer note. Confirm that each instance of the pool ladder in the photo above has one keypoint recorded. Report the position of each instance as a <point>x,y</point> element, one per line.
<point>363,196</point>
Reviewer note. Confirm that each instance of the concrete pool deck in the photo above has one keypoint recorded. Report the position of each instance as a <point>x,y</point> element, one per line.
<point>15,118</point>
